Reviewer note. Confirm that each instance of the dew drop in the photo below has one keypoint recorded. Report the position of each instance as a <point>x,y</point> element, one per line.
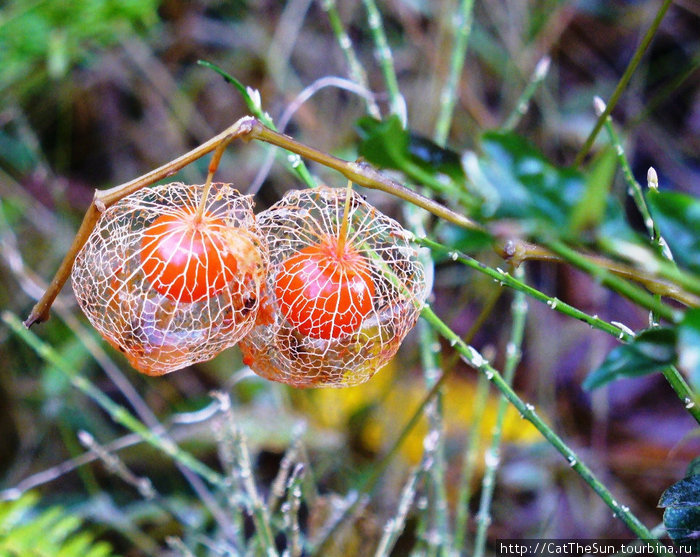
<point>454,255</point>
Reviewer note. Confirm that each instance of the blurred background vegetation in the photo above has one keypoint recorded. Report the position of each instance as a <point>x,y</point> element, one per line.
<point>96,92</point>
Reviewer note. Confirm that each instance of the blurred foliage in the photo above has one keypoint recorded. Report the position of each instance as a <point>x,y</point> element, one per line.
<point>49,532</point>
<point>43,40</point>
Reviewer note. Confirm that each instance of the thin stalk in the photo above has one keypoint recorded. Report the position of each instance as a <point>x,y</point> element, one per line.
<point>624,80</point>
<point>368,484</point>
<point>213,165</point>
<point>356,69</point>
<point>393,529</point>
<point>670,281</point>
<point>634,293</point>
<point>462,29</point>
<point>664,268</point>
<point>242,470</point>
<point>386,60</point>
<point>473,358</point>
<point>430,360</point>
<point>343,233</point>
<point>633,187</point>
<point>471,452</point>
<point>471,455</point>
<point>290,511</point>
<point>522,105</point>
<point>506,279</point>
<point>118,413</point>
<point>492,459</point>
<point>254,103</point>
<point>672,375</point>
<point>363,174</point>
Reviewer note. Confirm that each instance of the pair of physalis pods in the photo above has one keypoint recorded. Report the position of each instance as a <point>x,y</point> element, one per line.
<point>320,289</point>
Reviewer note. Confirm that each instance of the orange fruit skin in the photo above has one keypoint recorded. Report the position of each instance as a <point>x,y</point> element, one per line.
<point>186,259</point>
<point>325,294</point>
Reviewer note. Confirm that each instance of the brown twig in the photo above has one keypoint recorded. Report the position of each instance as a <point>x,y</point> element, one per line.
<point>247,128</point>
<point>518,251</point>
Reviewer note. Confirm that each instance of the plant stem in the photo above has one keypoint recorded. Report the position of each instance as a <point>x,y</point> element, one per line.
<point>357,71</point>
<point>343,233</point>
<point>118,413</point>
<point>472,357</point>
<point>462,29</point>
<point>492,459</point>
<point>254,104</point>
<point>634,293</point>
<point>672,375</point>
<point>363,174</point>
<point>624,80</point>
<point>670,284</point>
<point>471,452</point>
<point>633,187</point>
<point>386,60</point>
<point>522,105</point>
<point>395,526</point>
<point>507,279</point>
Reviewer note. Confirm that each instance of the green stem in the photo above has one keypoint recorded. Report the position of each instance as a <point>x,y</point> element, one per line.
<point>672,375</point>
<point>357,71</point>
<point>118,413</point>
<point>472,357</point>
<point>624,80</point>
<point>369,483</point>
<point>507,279</point>
<point>254,104</point>
<point>634,189</point>
<point>386,60</point>
<point>471,456</point>
<point>513,353</point>
<point>471,452</point>
<point>448,96</point>
<point>621,286</point>
<point>523,103</point>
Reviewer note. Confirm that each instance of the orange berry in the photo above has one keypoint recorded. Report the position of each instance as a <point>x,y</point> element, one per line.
<point>324,294</point>
<point>186,258</point>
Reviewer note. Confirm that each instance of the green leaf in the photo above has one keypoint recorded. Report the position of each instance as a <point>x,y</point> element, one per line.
<point>650,350</point>
<point>590,209</point>
<point>517,182</point>
<point>677,217</point>
<point>693,467</point>
<point>384,143</point>
<point>682,514</point>
<point>684,493</point>
<point>683,527</point>
<point>388,145</point>
<point>51,532</point>
<point>689,346</point>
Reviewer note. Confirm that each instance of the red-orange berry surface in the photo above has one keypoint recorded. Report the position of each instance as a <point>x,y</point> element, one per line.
<point>323,293</point>
<point>186,258</point>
